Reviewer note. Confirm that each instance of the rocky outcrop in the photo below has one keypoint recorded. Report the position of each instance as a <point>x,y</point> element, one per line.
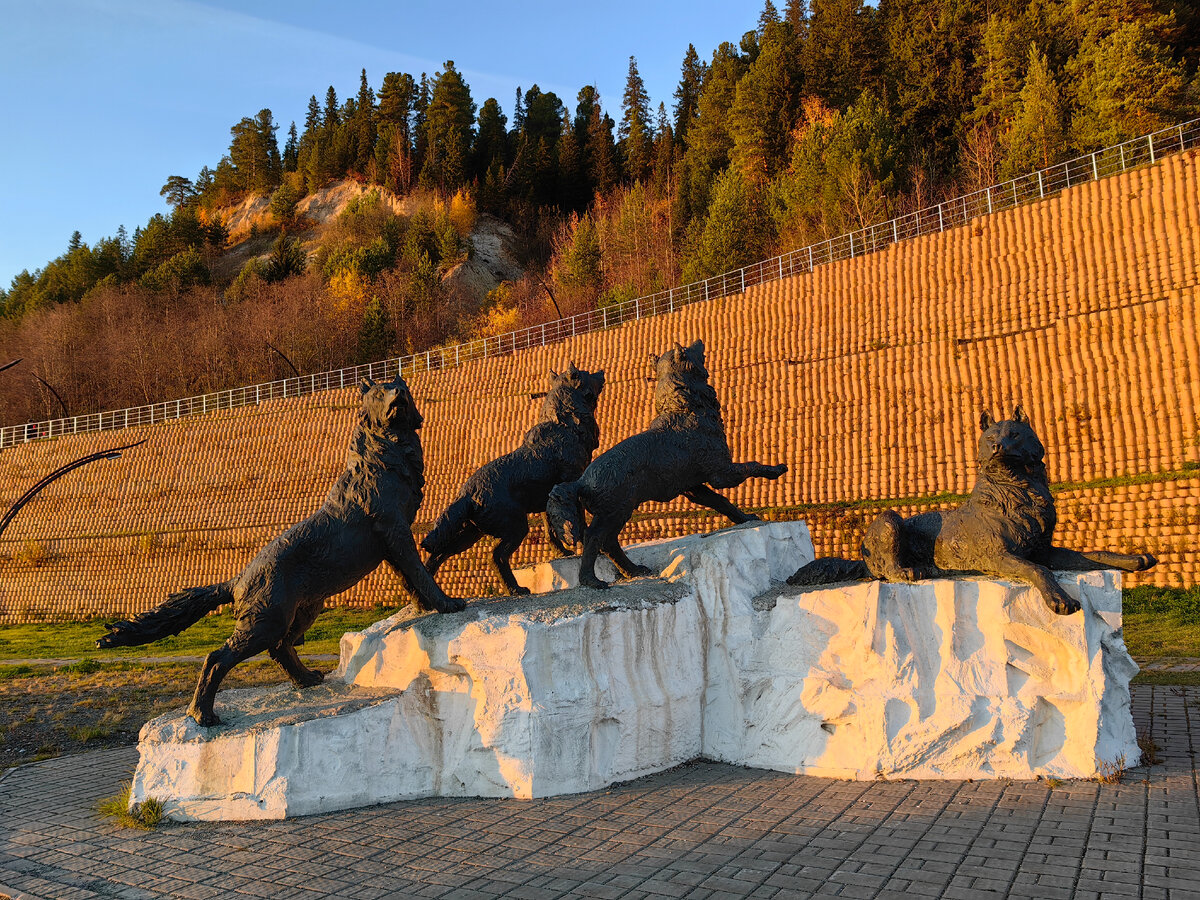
<point>576,689</point>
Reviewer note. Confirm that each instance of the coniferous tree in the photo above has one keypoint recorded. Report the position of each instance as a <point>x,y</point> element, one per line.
<point>449,128</point>
<point>291,150</point>
<point>178,190</point>
<point>366,129</point>
<point>838,56</point>
<point>634,134</point>
<point>931,45</point>
<point>795,13</point>
<point>601,150</point>
<point>1037,138</point>
<point>572,182</point>
<point>769,16</point>
<point>393,148</point>
<point>765,105</point>
<point>491,138</point>
<point>687,95</point>
<point>1124,85</point>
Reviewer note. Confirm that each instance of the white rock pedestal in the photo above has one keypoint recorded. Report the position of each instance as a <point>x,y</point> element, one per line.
<point>574,690</point>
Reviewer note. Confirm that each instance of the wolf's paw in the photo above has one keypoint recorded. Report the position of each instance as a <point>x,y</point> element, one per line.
<point>521,591</point>
<point>916,573</point>
<point>310,678</point>
<point>775,471</point>
<point>639,572</point>
<point>592,581</point>
<point>1145,561</point>
<point>1062,603</point>
<point>204,718</point>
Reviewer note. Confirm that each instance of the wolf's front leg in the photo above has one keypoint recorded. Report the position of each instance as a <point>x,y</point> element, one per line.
<point>706,496</point>
<point>402,556</point>
<point>736,473</point>
<point>1040,577</point>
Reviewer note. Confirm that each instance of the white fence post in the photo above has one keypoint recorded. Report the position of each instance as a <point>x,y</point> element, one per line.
<point>1150,142</point>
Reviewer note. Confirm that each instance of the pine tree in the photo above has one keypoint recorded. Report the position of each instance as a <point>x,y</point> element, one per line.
<point>449,121</point>
<point>769,16</point>
<point>573,191</point>
<point>930,46</point>
<point>1124,85</point>
<point>795,13</point>
<point>634,133</point>
<point>601,150</point>
<point>838,57</point>
<point>291,150</point>
<point>687,95</point>
<point>178,190</point>
<point>366,127</point>
<point>491,138</point>
<point>1036,139</point>
<point>765,106</point>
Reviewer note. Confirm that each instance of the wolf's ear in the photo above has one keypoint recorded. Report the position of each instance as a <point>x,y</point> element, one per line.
<point>1019,416</point>
<point>572,369</point>
<point>696,352</point>
<point>553,374</point>
<point>365,385</point>
<point>599,376</point>
<point>986,421</point>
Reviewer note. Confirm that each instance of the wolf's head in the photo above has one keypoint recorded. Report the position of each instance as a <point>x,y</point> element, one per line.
<point>388,406</point>
<point>1010,450</point>
<point>572,393</point>
<point>682,381</point>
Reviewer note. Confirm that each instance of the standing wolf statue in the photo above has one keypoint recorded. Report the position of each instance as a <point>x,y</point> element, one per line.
<point>1004,529</point>
<point>500,496</point>
<point>366,519</point>
<point>683,452</point>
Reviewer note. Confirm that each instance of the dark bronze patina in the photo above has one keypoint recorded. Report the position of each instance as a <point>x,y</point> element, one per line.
<point>500,496</point>
<point>1004,529</point>
<point>366,519</point>
<point>683,452</point>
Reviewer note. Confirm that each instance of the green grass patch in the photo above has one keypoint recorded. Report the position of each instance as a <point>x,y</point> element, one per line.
<point>1180,679</point>
<point>77,640</point>
<point>145,815</point>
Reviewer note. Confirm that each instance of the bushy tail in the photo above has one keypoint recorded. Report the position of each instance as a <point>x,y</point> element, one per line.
<point>564,513</point>
<point>830,570</point>
<point>187,607</point>
<point>448,525</point>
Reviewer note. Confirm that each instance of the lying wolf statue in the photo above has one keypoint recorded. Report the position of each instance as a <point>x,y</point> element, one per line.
<point>1003,529</point>
<point>683,452</point>
<point>366,519</point>
<point>500,496</point>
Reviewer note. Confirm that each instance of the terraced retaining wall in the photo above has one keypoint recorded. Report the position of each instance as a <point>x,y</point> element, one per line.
<point>867,377</point>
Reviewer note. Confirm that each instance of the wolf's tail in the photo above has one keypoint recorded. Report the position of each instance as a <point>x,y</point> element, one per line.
<point>187,607</point>
<point>564,513</point>
<point>448,525</point>
<point>829,570</point>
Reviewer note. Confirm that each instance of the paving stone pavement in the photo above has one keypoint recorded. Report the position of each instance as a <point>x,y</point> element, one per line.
<point>702,830</point>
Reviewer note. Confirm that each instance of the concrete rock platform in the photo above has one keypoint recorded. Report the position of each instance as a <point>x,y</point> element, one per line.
<point>702,830</point>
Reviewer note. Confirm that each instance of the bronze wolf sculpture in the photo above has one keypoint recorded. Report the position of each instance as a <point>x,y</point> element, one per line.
<point>683,452</point>
<point>500,496</point>
<point>366,519</point>
<point>1004,528</point>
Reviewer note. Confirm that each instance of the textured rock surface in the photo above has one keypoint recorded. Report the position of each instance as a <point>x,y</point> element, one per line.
<point>962,678</point>
<point>574,690</point>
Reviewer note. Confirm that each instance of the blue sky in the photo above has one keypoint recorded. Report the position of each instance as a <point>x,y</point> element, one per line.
<point>103,99</point>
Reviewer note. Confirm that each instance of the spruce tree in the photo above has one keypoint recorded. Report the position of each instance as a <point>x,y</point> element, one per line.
<point>634,133</point>
<point>449,128</point>
<point>365,126</point>
<point>687,95</point>
<point>491,138</point>
<point>765,106</point>
<point>291,150</point>
<point>1036,139</point>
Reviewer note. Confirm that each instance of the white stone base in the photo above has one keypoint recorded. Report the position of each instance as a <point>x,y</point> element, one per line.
<point>571,691</point>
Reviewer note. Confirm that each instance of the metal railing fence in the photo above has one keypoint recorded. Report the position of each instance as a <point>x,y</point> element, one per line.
<point>1037,185</point>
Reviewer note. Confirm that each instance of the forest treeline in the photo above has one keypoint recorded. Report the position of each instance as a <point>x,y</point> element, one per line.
<point>830,115</point>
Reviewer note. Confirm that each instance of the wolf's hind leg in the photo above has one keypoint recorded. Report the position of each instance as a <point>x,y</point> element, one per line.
<point>242,644</point>
<point>630,569</point>
<point>736,473</point>
<point>884,552</point>
<point>301,675</point>
<point>706,496</point>
<point>1074,561</point>
<point>503,552</point>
